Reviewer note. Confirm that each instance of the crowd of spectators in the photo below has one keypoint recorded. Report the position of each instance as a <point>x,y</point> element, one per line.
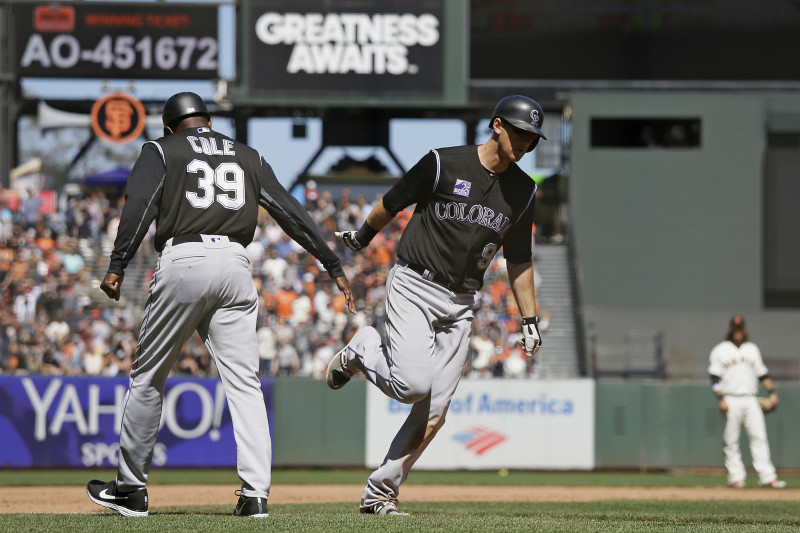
<point>55,320</point>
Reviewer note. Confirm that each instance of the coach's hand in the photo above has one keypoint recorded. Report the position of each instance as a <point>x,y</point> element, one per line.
<point>531,338</point>
<point>344,286</point>
<point>111,285</point>
<point>349,239</point>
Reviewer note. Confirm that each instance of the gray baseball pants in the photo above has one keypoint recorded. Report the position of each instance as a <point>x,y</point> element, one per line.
<point>204,286</point>
<point>428,329</point>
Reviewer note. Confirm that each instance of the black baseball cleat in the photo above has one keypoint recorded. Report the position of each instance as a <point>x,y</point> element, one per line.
<point>387,508</point>
<point>251,506</point>
<point>132,503</point>
<point>338,375</point>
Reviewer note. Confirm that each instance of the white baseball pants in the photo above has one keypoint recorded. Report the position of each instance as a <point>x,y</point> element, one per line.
<point>745,411</point>
<point>428,329</point>
<point>209,288</point>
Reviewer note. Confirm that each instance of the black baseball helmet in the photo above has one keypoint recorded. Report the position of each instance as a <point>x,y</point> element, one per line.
<point>521,112</point>
<point>180,106</point>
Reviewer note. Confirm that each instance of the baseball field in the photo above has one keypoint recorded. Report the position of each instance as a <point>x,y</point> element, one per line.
<point>327,500</point>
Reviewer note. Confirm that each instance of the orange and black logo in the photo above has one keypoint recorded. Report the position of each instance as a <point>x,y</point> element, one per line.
<point>118,117</point>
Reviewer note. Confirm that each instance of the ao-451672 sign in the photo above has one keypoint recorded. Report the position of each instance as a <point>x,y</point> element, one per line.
<point>94,40</point>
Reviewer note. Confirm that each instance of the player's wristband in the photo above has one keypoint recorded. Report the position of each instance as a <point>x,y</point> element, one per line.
<point>365,234</point>
<point>530,320</point>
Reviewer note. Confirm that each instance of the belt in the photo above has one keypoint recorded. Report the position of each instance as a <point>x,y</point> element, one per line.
<point>194,237</point>
<point>437,278</point>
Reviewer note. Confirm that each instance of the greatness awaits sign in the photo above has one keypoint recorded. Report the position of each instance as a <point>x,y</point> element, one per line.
<point>339,47</point>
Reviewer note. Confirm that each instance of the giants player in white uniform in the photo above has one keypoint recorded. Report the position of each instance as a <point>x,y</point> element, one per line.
<point>471,200</point>
<point>736,368</point>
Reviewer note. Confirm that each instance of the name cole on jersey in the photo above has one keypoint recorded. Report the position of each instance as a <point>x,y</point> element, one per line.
<point>208,145</point>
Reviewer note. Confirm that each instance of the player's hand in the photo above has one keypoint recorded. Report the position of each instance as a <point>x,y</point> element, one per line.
<point>774,397</point>
<point>531,338</point>
<point>723,406</point>
<point>111,285</point>
<point>344,286</point>
<point>349,239</point>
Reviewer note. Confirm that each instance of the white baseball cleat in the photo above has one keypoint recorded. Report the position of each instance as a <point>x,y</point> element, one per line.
<point>387,508</point>
<point>338,375</point>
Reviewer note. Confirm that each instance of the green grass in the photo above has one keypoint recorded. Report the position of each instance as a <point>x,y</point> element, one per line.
<point>623,516</point>
<point>582,517</point>
<point>359,476</point>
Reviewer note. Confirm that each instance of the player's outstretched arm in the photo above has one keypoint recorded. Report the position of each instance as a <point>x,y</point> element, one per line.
<point>377,219</point>
<point>295,221</point>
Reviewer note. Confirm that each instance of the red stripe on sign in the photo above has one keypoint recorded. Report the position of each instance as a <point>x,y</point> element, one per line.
<point>493,441</point>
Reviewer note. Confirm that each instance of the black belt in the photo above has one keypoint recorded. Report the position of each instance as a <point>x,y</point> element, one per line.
<point>437,278</point>
<point>194,237</point>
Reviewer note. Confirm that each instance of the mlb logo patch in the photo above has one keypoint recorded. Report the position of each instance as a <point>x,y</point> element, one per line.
<point>462,187</point>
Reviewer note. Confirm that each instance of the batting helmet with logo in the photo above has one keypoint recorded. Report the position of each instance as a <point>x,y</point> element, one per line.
<point>183,105</point>
<point>521,112</point>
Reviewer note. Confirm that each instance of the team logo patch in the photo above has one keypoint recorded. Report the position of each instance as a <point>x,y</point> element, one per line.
<point>535,118</point>
<point>479,440</point>
<point>462,187</point>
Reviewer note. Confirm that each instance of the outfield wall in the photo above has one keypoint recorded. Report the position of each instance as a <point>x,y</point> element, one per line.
<point>668,424</point>
<point>494,423</point>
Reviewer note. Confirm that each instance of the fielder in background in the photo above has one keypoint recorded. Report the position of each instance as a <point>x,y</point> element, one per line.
<point>471,200</point>
<point>203,189</point>
<point>736,368</point>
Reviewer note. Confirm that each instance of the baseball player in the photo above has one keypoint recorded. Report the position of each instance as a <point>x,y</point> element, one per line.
<point>203,189</point>
<point>735,368</point>
<point>470,201</point>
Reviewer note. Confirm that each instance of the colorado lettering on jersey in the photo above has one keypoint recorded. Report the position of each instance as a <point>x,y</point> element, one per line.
<point>208,145</point>
<point>337,43</point>
<point>477,214</point>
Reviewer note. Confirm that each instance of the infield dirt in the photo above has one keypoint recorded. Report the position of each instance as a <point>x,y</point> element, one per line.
<point>75,500</point>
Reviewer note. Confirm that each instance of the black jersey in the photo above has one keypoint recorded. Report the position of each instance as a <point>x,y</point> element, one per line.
<point>464,215</point>
<point>198,181</point>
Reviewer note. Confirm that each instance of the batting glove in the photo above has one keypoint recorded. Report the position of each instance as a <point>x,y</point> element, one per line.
<point>531,338</point>
<point>349,239</point>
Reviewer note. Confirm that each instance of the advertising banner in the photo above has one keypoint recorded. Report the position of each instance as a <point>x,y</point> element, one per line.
<point>498,423</point>
<point>75,422</point>
<point>116,40</point>
<point>345,47</point>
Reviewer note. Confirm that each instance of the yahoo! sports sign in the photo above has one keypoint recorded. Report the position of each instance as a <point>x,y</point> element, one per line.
<point>75,422</point>
<point>341,47</point>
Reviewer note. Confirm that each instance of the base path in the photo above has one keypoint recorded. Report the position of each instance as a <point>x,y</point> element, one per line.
<point>75,500</point>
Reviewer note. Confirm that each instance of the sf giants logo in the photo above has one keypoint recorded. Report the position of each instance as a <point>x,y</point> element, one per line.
<point>118,118</point>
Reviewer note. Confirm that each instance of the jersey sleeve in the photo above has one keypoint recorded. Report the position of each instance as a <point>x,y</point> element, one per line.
<point>518,242</point>
<point>760,367</point>
<point>295,221</point>
<point>714,363</point>
<point>415,186</point>
<point>142,199</point>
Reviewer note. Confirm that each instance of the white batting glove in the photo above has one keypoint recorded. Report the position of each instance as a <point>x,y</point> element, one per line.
<point>349,239</point>
<point>531,338</point>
